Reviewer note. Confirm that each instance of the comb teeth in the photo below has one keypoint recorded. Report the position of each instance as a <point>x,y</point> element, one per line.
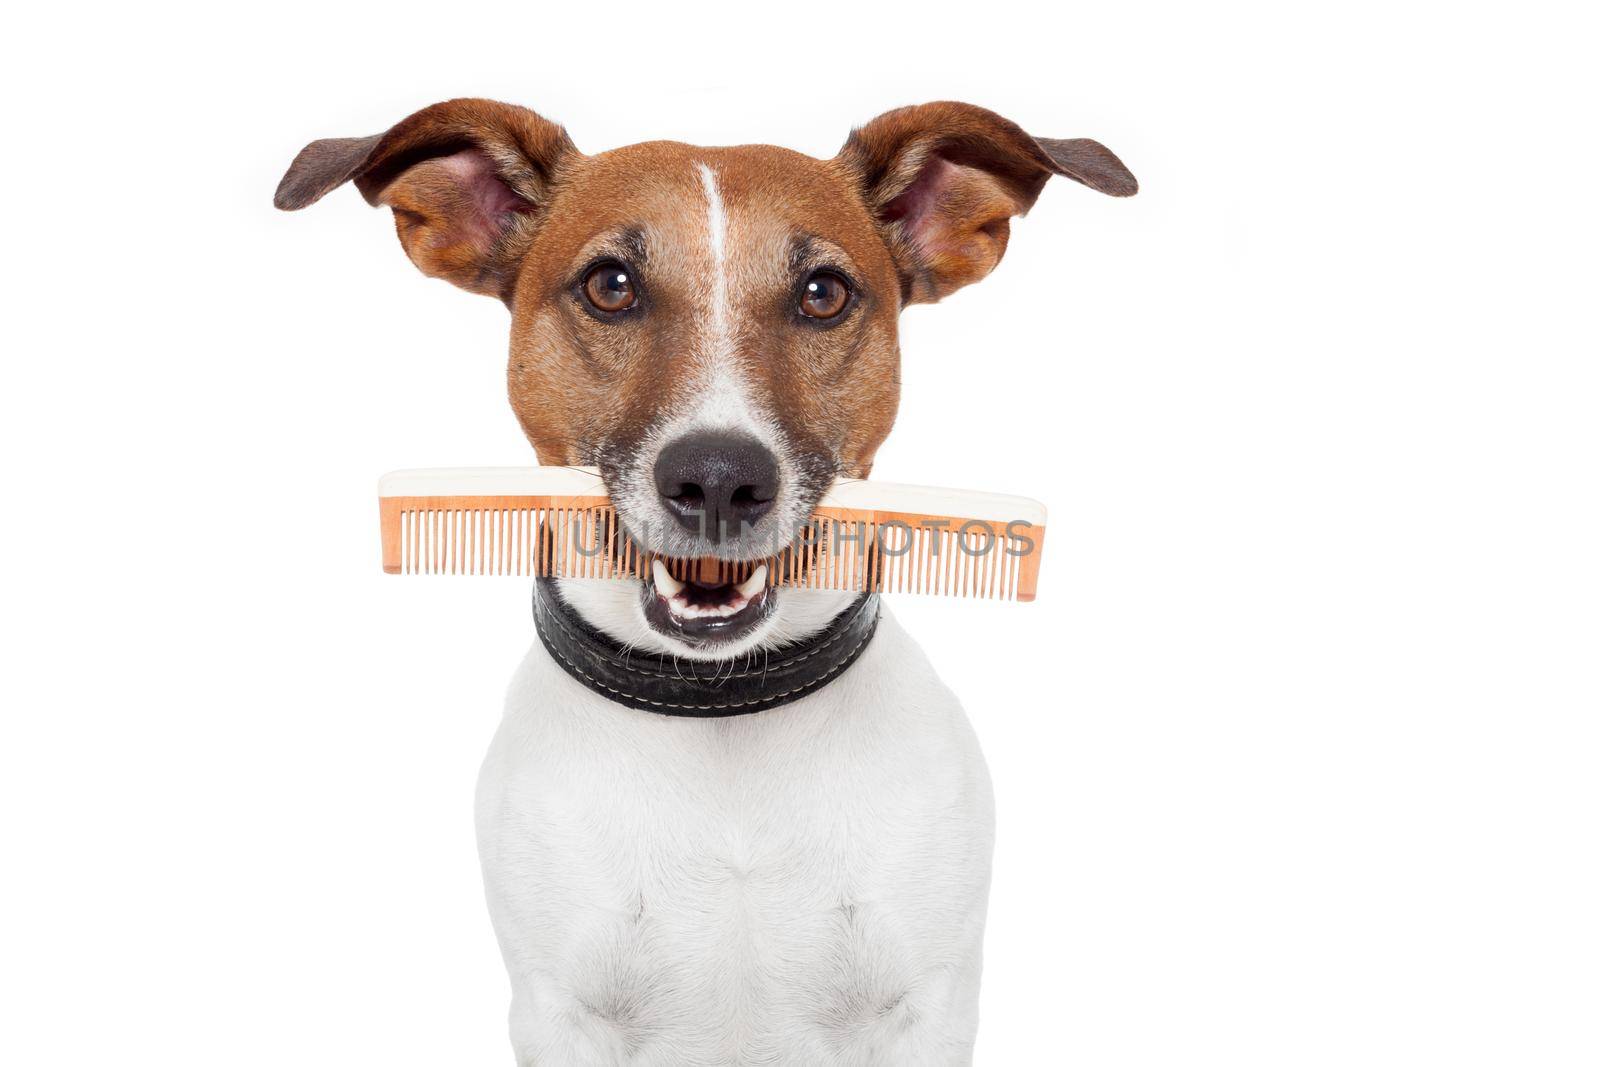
<point>881,552</point>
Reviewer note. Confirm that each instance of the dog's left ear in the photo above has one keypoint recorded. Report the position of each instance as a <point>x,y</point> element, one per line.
<point>468,181</point>
<point>945,179</point>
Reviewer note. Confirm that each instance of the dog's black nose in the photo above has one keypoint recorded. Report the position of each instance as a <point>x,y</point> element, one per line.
<point>715,483</point>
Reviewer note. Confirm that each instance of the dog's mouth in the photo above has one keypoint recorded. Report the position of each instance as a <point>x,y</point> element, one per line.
<point>700,613</point>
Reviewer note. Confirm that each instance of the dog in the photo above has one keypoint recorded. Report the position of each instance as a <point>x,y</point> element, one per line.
<point>720,824</point>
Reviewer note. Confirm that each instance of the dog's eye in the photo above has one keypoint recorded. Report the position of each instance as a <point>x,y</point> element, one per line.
<point>824,296</point>
<point>609,288</point>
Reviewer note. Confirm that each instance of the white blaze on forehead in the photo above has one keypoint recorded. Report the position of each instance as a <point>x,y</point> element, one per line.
<point>722,400</point>
<point>717,227</point>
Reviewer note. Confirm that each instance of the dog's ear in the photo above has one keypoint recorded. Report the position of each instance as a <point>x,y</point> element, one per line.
<point>467,180</point>
<point>945,179</point>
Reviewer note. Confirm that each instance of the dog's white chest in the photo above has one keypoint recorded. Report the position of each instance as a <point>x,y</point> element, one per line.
<point>805,885</point>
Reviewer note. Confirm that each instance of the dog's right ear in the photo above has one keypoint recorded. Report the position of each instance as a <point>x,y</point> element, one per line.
<point>467,180</point>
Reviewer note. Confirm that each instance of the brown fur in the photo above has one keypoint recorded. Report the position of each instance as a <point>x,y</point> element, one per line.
<point>497,200</point>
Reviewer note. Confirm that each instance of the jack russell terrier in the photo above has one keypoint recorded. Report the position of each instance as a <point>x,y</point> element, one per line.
<point>720,824</point>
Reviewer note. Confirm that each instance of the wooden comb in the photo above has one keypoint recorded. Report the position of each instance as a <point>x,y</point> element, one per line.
<point>865,536</point>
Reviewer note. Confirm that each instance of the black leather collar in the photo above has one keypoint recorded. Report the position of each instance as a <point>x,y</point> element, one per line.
<point>668,686</point>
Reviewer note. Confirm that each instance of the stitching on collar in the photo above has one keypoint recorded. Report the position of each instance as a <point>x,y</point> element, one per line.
<point>650,690</point>
<point>847,661</point>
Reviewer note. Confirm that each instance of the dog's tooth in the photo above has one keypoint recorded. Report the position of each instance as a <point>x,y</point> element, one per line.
<point>752,585</point>
<point>666,584</point>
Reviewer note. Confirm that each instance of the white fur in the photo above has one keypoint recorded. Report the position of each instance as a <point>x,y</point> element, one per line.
<point>717,239</point>
<point>804,886</point>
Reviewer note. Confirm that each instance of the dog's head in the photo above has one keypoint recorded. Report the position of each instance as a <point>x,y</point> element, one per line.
<point>714,328</point>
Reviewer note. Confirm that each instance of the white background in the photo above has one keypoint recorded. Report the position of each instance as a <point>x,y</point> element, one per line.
<point>1296,754</point>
